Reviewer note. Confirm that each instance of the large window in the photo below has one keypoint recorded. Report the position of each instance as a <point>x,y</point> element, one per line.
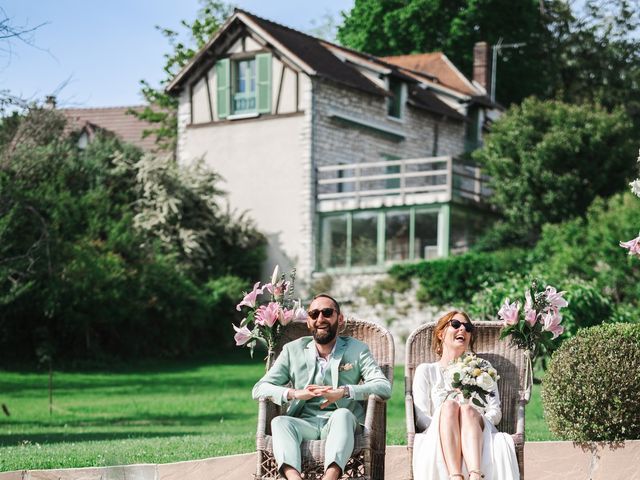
<point>375,238</point>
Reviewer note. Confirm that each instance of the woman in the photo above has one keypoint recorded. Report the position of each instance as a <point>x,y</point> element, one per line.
<point>459,438</point>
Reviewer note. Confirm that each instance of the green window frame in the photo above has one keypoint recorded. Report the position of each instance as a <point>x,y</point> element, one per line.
<point>243,85</point>
<point>345,239</point>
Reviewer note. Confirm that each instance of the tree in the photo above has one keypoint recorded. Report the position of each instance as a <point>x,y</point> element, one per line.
<point>548,161</point>
<point>394,27</point>
<point>84,273</point>
<point>591,54</point>
<point>162,108</point>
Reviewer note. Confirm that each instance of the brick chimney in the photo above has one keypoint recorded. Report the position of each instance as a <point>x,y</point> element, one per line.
<point>482,65</point>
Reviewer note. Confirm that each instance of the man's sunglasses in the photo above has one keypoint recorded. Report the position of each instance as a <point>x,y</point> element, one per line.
<point>326,313</point>
<point>456,324</point>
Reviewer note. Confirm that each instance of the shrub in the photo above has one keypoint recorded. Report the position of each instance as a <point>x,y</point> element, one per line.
<point>456,279</point>
<point>590,391</point>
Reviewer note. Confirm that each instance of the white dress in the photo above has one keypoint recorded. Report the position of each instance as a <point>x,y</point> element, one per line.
<point>498,452</point>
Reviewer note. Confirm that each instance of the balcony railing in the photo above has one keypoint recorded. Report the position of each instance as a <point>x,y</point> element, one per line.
<point>399,182</point>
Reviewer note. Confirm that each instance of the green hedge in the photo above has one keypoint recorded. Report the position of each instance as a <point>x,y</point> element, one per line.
<point>456,279</point>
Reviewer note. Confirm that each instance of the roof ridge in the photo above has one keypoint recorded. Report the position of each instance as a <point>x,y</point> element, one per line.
<point>104,108</point>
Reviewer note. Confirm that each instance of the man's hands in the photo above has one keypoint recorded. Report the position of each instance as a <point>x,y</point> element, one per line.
<point>312,391</point>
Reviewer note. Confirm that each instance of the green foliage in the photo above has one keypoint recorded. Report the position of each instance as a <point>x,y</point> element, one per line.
<point>383,27</point>
<point>549,160</point>
<point>585,52</point>
<point>82,277</point>
<point>590,392</point>
<point>162,108</point>
<point>456,279</point>
<point>382,291</point>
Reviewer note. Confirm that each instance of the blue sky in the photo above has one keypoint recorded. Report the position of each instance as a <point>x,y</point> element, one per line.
<point>93,54</point>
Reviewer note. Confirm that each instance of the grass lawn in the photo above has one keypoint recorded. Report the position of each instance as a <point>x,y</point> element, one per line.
<point>159,414</point>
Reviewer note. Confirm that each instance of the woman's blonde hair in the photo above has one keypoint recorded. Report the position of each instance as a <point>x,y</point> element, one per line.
<point>443,322</point>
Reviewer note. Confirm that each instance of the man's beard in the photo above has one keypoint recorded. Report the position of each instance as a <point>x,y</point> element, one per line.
<point>325,336</point>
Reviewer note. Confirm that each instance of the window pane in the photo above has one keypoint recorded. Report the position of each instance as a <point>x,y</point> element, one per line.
<point>397,236</point>
<point>364,239</point>
<point>333,249</point>
<point>394,105</point>
<point>426,235</point>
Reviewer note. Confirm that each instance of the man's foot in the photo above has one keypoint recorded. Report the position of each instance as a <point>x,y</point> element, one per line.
<point>290,473</point>
<point>332,473</point>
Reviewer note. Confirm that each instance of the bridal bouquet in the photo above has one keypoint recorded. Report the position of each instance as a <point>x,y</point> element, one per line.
<point>472,377</point>
<point>541,315</point>
<point>267,309</point>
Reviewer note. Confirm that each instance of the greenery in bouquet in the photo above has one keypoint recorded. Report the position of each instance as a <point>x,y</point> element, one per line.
<point>267,309</point>
<point>633,245</point>
<point>472,377</point>
<point>540,323</point>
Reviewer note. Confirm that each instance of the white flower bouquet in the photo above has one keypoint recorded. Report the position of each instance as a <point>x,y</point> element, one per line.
<point>472,377</point>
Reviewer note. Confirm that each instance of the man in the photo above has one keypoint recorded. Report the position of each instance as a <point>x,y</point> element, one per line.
<point>325,372</point>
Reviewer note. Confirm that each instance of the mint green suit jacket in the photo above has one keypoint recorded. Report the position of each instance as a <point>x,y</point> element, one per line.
<point>351,362</point>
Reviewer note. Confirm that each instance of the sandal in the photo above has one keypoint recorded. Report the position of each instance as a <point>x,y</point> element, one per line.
<point>455,475</point>
<point>478,472</point>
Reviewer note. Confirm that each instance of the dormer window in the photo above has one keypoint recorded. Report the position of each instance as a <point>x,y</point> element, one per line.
<point>243,86</point>
<point>395,103</point>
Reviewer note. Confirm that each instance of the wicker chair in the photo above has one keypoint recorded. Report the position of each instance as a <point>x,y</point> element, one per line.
<point>510,362</point>
<point>367,460</point>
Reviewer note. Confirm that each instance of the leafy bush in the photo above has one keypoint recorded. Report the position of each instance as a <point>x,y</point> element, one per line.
<point>590,391</point>
<point>105,253</point>
<point>456,279</point>
<point>549,160</point>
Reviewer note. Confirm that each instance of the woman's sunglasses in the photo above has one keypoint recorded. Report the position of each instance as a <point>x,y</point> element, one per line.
<point>326,313</point>
<point>456,324</point>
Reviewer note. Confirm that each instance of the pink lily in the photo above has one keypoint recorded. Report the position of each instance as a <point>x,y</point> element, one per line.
<point>530,316</point>
<point>632,245</point>
<point>554,298</point>
<point>250,298</point>
<point>268,315</point>
<point>551,323</point>
<point>509,312</point>
<point>242,336</point>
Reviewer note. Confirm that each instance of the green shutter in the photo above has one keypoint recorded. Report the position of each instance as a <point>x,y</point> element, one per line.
<point>223,90</point>
<point>263,100</point>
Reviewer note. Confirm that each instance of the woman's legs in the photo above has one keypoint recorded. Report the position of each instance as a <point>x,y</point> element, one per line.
<point>450,436</point>
<point>471,424</point>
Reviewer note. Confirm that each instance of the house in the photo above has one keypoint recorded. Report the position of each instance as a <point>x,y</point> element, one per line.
<point>113,120</point>
<point>347,162</point>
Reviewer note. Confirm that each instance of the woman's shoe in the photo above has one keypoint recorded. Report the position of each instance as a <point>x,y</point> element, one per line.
<point>477,472</point>
<point>453,476</point>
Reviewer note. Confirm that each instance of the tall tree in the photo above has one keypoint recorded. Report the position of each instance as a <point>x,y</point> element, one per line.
<point>162,108</point>
<point>394,27</point>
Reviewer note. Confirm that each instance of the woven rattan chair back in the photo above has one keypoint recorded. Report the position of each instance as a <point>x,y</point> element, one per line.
<point>510,362</point>
<point>367,461</point>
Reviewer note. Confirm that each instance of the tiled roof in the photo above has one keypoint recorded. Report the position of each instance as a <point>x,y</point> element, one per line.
<point>437,65</point>
<point>311,51</point>
<point>113,119</point>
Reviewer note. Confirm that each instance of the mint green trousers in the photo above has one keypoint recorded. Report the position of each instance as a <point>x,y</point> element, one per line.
<point>338,432</point>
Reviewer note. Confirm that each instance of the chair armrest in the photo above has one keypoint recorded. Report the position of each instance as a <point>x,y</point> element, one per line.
<point>410,419</point>
<point>372,402</point>
<point>267,411</point>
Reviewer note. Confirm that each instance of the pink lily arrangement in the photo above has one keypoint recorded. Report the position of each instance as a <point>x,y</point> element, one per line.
<point>541,314</point>
<point>267,309</point>
<point>633,245</point>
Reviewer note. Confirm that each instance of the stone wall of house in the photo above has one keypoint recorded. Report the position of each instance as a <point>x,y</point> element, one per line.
<point>335,142</point>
